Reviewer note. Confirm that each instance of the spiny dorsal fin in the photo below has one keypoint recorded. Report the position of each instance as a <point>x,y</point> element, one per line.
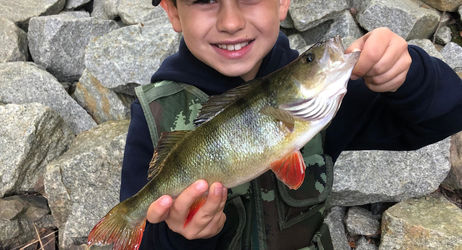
<point>166,142</point>
<point>280,115</point>
<point>217,103</point>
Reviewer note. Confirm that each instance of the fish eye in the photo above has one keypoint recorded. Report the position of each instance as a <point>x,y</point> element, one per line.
<point>309,57</point>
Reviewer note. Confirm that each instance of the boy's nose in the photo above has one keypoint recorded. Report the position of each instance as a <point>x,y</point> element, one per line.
<point>230,17</point>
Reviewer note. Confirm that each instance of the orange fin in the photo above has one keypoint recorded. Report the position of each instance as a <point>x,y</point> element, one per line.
<point>193,209</point>
<point>290,169</point>
<point>115,229</point>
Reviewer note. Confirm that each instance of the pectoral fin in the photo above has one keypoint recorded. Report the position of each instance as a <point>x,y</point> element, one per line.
<point>280,115</point>
<point>290,169</point>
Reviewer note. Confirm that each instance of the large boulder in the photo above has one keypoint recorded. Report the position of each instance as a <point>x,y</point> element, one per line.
<point>83,184</point>
<point>424,223</point>
<point>454,180</point>
<point>102,103</point>
<point>452,54</point>
<point>406,18</point>
<point>20,11</point>
<point>31,136</point>
<point>13,42</point>
<point>444,5</point>
<point>128,57</point>
<point>25,82</point>
<point>307,14</point>
<point>72,4</point>
<point>58,42</point>
<point>363,177</point>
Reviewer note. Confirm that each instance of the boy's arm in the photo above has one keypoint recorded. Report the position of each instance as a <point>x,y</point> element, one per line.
<point>137,155</point>
<point>426,108</point>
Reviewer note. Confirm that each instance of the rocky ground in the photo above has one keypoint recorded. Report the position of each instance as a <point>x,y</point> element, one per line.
<point>67,72</point>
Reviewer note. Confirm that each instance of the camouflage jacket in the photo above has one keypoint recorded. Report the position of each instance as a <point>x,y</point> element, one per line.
<point>263,213</point>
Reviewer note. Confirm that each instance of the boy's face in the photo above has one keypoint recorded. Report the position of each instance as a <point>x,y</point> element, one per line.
<point>231,36</point>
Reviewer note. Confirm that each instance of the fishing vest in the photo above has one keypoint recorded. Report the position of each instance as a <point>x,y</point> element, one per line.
<point>263,213</point>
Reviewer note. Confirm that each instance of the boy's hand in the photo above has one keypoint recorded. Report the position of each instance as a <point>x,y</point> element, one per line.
<point>384,60</point>
<point>206,223</point>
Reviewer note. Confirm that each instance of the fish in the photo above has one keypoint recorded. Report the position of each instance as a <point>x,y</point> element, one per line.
<point>240,134</point>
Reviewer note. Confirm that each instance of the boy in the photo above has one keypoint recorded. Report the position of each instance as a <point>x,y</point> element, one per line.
<point>399,98</point>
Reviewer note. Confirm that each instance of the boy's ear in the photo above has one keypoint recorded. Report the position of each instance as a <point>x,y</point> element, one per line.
<point>172,13</point>
<point>283,8</point>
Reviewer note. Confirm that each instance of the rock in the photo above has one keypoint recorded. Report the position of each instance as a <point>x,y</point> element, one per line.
<point>334,221</point>
<point>307,14</point>
<point>24,82</point>
<point>20,11</point>
<point>363,177</point>
<point>83,184</point>
<point>428,46</point>
<point>460,12</point>
<point>13,42</point>
<point>444,5</point>
<point>360,221</point>
<point>443,35</point>
<point>287,23</point>
<point>9,233</point>
<point>129,56</point>
<point>75,14</point>
<point>454,179</point>
<point>406,18</point>
<point>345,27</point>
<point>72,4</point>
<point>364,244</point>
<point>102,103</point>
<point>139,11</point>
<point>452,54</point>
<point>10,208</point>
<point>105,9</point>
<point>31,136</point>
<point>296,42</point>
<point>425,223</point>
<point>58,42</point>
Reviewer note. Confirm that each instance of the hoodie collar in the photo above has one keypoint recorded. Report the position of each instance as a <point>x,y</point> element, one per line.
<point>186,68</point>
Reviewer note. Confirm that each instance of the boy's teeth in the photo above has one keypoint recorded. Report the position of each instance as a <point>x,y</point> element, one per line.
<point>232,47</point>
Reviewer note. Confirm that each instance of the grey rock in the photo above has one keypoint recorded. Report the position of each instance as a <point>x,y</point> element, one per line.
<point>10,208</point>
<point>424,223</point>
<point>31,136</point>
<point>443,35</point>
<point>359,5</point>
<point>452,54</point>
<point>334,221</point>
<point>444,5</point>
<point>9,234</point>
<point>105,9</point>
<point>37,208</point>
<point>20,11</point>
<point>454,179</point>
<point>130,55</point>
<point>364,244</point>
<point>363,177</point>
<point>307,14</point>
<point>72,4</point>
<point>287,23</point>
<point>24,82</point>
<point>13,42</point>
<point>75,14</point>
<point>139,11</point>
<point>317,33</point>
<point>360,221</point>
<point>58,42</point>
<point>428,46</point>
<point>102,103</point>
<point>296,42</point>
<point>460,12</point>
<point>406,18</point>
<point>83,184</point>
<point>345,27</point>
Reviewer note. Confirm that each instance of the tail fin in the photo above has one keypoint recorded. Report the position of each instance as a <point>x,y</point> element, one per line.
<point>117,229</point>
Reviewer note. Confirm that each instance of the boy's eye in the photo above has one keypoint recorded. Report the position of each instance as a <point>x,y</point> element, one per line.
<point>204,1</point>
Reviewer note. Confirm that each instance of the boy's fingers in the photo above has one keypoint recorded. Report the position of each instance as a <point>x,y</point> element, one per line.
<point>214,227</point>
<point>402,64</point>
<point>186,199</point>
<point>158,210</point>
<point>394,52</point>
<point>212,205</point>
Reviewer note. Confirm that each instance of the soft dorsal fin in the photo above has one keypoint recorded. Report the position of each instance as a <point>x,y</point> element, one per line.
<point>217,103</point>
<point>166,142</point>
<point>280,115</point>
<point>290,169</point>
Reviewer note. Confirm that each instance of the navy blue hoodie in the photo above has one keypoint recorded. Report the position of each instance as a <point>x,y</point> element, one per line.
<point>425,109</point>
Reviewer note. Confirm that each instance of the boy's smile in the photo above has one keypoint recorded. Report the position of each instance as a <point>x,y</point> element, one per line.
<point>231,36</point>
